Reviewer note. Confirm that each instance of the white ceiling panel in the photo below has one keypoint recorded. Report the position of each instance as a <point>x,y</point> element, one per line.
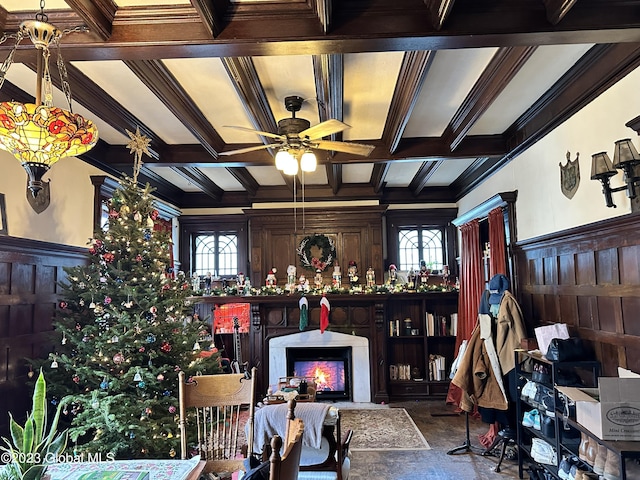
<point>206,81</point>
<point>222,178</point>
<point>544,68</point>
<point>448,171</point>
<point>369,82</point>
<point>268,176</point>
<point>450,79</point>
<point>358,173</point>
<point>400,174</point>
<point>115,78</point>
<point>289,76</point>
<point>175,178</point>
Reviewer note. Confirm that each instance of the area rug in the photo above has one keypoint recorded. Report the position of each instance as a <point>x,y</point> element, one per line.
<point>382,429</point>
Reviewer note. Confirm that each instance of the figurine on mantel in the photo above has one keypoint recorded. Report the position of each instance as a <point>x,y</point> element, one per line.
<point>411,280</point>
<point>303,284</point>
<point>240,282</point>
<point>317,280</point>
<point>336,277</point>
<point>424,273</point>
<point>271,278</point>
<point>371,277</point>
<point>291,278</point>
<point>195,282</point>
<point>353,274</point>
<point>393,275</point>
<point>207,283</point>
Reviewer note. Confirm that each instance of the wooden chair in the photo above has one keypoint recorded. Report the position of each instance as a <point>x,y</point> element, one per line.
<point>213,405</point>
<point>286,466</point>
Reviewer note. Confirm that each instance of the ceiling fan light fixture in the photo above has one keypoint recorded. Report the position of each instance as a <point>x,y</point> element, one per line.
<point>282,158</point>
<point>291,167</point>
<point>308,161</point>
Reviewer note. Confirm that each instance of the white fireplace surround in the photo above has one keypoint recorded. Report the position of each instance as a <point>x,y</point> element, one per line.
<point>360,383</point>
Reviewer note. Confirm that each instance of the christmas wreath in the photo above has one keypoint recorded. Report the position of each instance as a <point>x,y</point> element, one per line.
<point>322,242</point>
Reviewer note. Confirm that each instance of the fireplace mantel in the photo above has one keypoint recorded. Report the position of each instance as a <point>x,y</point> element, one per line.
<point>364,316</point>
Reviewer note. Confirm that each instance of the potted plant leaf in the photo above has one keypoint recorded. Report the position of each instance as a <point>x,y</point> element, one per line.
<point>32,446</point>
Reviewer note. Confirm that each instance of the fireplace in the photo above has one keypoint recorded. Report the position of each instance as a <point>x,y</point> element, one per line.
<point>359,366</point>
<point>330,367</point>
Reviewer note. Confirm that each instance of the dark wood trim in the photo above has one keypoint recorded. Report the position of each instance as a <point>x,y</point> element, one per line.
<point>481,211</point>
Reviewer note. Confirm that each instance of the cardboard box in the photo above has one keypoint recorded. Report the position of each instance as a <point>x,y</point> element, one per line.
<point>611,411</point>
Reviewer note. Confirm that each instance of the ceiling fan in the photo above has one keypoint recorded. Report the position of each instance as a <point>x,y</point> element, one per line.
<point>297,134</point>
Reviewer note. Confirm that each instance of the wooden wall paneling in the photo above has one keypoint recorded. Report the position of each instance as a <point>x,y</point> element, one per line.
<point>630,309</point>
<point>597,294</point>
<point>607,266</point>
<point>629,264</point>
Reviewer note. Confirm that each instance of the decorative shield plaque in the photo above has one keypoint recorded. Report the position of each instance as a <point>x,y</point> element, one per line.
<point>570,176</point>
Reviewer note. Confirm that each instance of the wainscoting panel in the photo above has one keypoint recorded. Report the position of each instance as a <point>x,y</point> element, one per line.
<point>589,278</point>
<point>29,276</point>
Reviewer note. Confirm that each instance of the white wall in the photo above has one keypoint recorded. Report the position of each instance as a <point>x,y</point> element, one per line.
<point>69,218</point>
<point>541,207</point>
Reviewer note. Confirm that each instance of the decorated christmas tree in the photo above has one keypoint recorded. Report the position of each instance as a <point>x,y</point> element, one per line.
<point>125,330</point>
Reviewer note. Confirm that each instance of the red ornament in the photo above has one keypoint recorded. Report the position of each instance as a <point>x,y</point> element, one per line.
<point>172,409</point>
<point>154,215</point>
<point>118,358</point>
<point>113,213</point>
<point>108,257</point>
<point>63,304</point>
<point>138,258</point>
<point>165,347</point>
<point>141,349</point>
<point>165,286</point>
<point>76,379</point>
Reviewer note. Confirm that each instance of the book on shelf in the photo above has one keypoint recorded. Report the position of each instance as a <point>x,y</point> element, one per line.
<point>441,325</point>
<point>109,475</point>
<point>436,367</point>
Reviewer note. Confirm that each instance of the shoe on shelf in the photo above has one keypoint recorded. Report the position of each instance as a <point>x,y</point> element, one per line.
<point>564,468</point>
<point>528,392</point>
<point>532,419</point>
<point>601,458</point>
<point>611,466</point>
<point>584,445</point>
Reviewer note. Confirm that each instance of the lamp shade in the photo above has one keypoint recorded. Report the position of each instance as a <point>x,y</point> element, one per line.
<point>625,152</point>
<point>291,168</point>
<point>282,158</point>
<point>601,166</point>
<point>38,135</point>
<point>308,162</point>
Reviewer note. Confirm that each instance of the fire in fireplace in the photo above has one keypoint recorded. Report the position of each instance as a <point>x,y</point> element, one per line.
<point>330,367</point>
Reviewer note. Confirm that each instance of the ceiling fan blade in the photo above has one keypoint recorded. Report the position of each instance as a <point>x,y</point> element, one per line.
<point>354,148</point>
<point>324,129</point>
<point>258,132</point>
<point>248,149</point>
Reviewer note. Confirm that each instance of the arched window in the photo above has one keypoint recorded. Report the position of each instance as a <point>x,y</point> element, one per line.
<point>419,244</point>
<point>216,253</point>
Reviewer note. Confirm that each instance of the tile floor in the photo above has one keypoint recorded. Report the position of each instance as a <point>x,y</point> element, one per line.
<point>443,432</point>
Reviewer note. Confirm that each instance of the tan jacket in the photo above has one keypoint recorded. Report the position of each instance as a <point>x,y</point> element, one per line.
<point>474,375</point>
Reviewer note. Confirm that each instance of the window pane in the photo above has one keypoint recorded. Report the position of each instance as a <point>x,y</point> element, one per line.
<point>409,250</point>
<point>228,255</point>
<point>205,255</point>
<point>432,251</point>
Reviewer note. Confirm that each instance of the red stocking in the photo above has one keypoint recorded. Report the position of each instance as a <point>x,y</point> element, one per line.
<point>325,307</point>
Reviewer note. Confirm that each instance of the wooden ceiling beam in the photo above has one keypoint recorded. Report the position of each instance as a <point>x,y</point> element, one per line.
<point>212,14</point>
<point>422,176</point>
<point>266,28</point>
<point>557,9</point>
<point>98,15</point>
<point>200,180</point>
<point>438,11</point>
<point>378,175</point>
<point>157,77</point>
<point>413,72</point>
<point>504,65</point>
<point>242,175</point>
<point>329,78</point>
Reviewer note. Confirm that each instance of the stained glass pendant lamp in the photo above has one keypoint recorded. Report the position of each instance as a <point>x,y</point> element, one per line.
<point>39,134</point>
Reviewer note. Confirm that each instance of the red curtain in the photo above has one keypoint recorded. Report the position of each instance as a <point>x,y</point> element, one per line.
<point>497,241</point>
<point>471,288</point>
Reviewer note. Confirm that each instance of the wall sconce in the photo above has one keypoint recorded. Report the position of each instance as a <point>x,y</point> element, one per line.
<point>625,158</point>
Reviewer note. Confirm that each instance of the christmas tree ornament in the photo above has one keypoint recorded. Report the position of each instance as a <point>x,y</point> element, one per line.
<point>166,393</point>
<point>137,377</point>
<point>92,304</point>
<point>54,363</point>
<point>118,358</point>
<point>63,305</point>
<point>160,377</point>
<point>165,347</point>
<point>141,384</point>
<point>81,302</point>
<point>196,346</point>
<point>107,300</point>
<point>151,338</point>
<point>104,384</point>
<point>30,373</point>
<point>64,338</point>
<point>172,452</point>
<point>172,409</point>
<point>76,379</point>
